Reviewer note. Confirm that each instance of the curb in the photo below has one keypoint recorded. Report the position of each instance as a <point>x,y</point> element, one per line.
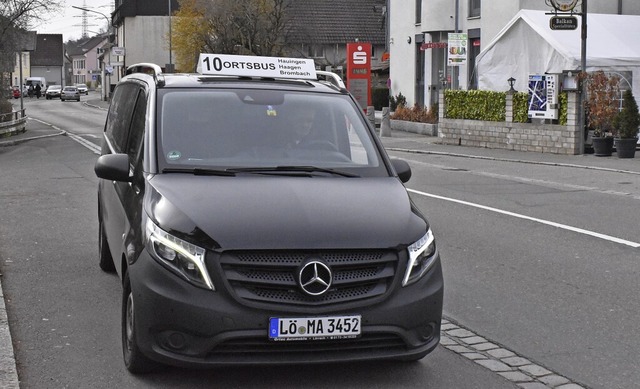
<point>22,140</point>
<point>8,370</point>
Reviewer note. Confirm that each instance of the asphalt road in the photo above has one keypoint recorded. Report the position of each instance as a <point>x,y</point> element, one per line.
<point>525,271</point>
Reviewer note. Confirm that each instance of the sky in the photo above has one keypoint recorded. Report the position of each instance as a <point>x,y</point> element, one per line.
<point>68,21</point>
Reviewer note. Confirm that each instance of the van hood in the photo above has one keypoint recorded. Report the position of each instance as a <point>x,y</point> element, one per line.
<point>281,212</point>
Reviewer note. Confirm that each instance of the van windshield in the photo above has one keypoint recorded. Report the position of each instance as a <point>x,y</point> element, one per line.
<point>219,128</point>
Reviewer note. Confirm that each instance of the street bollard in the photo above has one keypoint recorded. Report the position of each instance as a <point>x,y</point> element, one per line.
<point>385,126</point>
<point>371,115</point>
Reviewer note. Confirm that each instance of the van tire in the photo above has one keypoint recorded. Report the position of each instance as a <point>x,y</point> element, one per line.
<point>134,360</point>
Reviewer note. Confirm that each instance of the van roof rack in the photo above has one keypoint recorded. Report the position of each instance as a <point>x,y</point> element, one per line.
<point>147,68</point>
<point>332,78</point>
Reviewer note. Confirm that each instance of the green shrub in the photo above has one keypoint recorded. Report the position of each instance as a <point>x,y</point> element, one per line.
<point>562,110</point>
<point>520,107</point>
<point>380,97</point>
<point>395,102</point>
<point>475,105</point>
<point>628,120</point>
<point>490,106</point>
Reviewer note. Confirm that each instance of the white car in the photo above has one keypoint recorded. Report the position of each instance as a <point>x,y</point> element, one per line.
<point>70,93</point>
<point>83,89</point>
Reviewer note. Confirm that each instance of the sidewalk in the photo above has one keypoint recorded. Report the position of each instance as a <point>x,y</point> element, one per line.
<point>416,143</point>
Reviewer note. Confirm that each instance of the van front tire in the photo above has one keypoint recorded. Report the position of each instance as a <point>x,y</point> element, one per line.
<point>135,361</point>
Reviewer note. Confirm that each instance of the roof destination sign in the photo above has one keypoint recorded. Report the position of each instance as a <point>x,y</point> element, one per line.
<point>251,66</point>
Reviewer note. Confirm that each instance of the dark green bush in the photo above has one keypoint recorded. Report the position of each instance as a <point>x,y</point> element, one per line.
<point>380,97</point>
<point>395,102</point>
<point>628,120</point>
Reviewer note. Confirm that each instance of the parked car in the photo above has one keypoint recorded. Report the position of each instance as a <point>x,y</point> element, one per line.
<point>253,216</point>
<point>16,92</point>
<point>83,89</point>
<point>70,93</point>
<point>53,91</point>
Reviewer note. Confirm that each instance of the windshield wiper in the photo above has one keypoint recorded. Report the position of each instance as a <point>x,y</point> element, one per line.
<point>294,169</point>
<point>198,171</point>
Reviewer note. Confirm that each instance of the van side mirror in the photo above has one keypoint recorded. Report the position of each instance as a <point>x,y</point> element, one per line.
<point>113,167</point>
<point>402,169</point>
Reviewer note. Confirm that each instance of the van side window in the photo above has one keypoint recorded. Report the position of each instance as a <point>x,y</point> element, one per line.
<point>136,133</point>
<point>119,117</point>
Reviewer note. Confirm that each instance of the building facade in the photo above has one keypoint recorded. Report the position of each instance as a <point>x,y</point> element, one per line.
<point>419,33</point>
<point>85,67</point>
<point>142,28</point>
<point>47,60</point>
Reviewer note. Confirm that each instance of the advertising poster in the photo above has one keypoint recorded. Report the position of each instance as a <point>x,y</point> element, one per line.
<point>457,53</point>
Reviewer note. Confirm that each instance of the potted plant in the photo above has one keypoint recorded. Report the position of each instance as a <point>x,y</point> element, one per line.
<point>602,107</point>
<point>626,123</point>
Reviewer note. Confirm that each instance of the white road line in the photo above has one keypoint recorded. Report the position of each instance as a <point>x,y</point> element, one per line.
<point>90,145</point>
<point>546,183</point>
<point>533,219</point>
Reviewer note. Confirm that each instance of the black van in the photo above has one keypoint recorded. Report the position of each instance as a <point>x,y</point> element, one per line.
<point>257,219</point>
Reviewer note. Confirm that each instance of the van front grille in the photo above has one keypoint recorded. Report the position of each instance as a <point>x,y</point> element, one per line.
<point>271,276</point>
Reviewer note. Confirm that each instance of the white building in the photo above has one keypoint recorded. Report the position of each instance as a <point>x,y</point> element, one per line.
<point>418,32</point>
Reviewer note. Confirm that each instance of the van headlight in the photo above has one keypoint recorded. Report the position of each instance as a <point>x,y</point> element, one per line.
<point>184,258</point>
<point>421,258</point>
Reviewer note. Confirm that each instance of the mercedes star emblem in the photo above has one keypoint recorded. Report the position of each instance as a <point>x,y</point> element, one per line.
<point>315,278</point>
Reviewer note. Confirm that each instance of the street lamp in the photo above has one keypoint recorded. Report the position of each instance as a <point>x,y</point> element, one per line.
<point>511,82</point>
<point>104,90</point>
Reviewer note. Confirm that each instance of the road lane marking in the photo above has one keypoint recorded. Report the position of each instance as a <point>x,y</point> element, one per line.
<point>90,145</point>
<point>534,181</point>
<point>533,219</point>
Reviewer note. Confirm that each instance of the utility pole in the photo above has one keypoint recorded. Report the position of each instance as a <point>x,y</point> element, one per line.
<point>105,93</point>
<point>455,70</point>
<point>583,68</point>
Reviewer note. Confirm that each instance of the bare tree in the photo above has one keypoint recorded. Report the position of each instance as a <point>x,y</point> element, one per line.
<point>254,27</point>
<point>15,17</point>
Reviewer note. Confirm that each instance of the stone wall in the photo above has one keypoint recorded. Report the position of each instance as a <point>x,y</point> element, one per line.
<point>541,138</point>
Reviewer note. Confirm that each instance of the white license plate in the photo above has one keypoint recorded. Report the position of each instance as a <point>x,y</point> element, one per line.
<point>314,328</point>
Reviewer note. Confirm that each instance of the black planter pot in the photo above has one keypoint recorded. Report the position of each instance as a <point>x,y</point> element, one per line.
<point>602,146</point>
<point>626,148</point>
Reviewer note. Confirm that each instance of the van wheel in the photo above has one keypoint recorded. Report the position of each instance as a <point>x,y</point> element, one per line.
<point>106,262</point>
<point>134,360</point>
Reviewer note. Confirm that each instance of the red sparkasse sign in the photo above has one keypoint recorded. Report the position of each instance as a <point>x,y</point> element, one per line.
<point>359,72</point>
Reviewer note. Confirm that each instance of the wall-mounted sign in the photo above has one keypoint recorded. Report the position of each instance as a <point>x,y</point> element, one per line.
<point>564,5</point>
<point>433,45</point>
<point>118,51</point>
<point>563,23</point>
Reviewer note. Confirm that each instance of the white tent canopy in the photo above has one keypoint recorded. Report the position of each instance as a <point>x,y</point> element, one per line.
<point>527,45</point>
